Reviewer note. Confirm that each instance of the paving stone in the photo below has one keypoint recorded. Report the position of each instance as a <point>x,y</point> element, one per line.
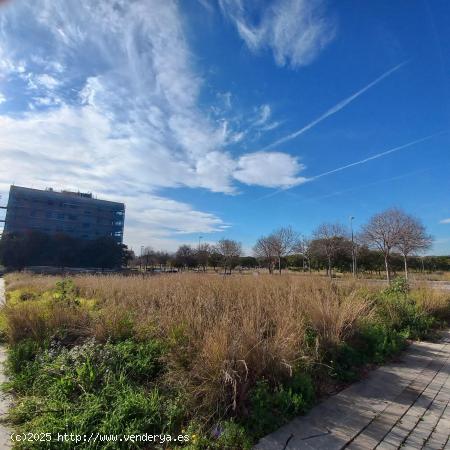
<point>404,404</point>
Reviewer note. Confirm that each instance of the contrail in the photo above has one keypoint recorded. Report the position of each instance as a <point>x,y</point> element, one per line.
<point>342,104</point>
<point>374,183</point>
<point>362,161</point>
<point>378,155</point>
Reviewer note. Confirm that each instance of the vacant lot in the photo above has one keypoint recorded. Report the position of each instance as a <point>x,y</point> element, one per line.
<point>222,359</point>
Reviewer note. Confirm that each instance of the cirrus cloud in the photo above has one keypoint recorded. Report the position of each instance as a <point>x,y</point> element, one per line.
<point>295,30</point>
<point>109,102</point>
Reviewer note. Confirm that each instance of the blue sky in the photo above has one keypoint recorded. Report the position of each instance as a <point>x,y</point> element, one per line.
<point>229,118</point>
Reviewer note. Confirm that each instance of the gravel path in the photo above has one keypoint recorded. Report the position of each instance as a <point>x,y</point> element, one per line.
<point>404,404</point>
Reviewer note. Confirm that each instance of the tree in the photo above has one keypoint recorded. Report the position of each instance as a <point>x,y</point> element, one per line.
<point>248,262</point>
<point>303,248</point>
<point>33,248</point>
<point>127,255</point>
<point>103,252</point>
<point>148,257</point>
<point>412,237</point>
<point>230,252</point>
<point>283,242</point>
<point>383,233</point>
<point>329,239</point>
<point>265,252</point>
<point>202,254</point>
<point>161,258</point>
<point>185,256</point>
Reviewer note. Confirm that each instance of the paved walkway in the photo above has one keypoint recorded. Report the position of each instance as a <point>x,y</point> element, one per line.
<point>5,432</point>
<point>404,404</point>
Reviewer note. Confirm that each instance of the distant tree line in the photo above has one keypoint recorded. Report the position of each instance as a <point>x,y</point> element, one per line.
<point>390,239</point>
<point>19,250</point>
<point>390,242</point>
<point>226,255</point>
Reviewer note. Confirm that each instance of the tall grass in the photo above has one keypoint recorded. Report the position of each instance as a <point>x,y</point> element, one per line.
<point>222,336</point>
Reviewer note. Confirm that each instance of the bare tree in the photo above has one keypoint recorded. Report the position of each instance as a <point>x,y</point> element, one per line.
<point>203,253</point>
<point>329,240</point>
<point>383,233</point>
<point>264,250</point>
<point>303,248</point>
<point>162,258</point>
<point>412,237</point>
<point>230,252</point>
<point>283,242</point>
<point>148,256</point>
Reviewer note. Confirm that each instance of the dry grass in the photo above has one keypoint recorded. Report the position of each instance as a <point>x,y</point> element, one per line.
<point>433,301</point>
<point>224,332</point>
<point>26,282</point>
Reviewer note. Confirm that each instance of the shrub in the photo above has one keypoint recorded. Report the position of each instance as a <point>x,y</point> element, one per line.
<point>109,389</point>
<point>233,436</point>
<point>271,407</point>
<point>66,292</point>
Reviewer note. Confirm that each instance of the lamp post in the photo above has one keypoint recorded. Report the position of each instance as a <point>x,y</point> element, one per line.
<point>353,248</point>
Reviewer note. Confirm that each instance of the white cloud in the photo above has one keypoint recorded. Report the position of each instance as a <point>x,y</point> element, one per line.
<point>445,221</point>
<point>262,122</point>
<point>2,98</point>
<point>46,81</point>
<point>269,169</point>
<point>295,30</point>
<point>264,114</point>
<point>127,122</point>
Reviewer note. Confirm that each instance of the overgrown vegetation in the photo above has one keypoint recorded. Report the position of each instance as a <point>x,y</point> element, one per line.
<point>223,359</point>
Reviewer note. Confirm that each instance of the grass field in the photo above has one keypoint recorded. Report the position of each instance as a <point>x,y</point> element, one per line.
<point>223,359</point>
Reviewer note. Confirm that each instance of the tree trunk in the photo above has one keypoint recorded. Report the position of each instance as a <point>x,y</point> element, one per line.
<point>386,264</point>
<point>279,264</point>
<point>329,268</point>
<point>405,259</point>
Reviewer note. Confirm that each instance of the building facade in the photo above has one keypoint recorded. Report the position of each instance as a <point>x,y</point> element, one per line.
<point>75,214</point>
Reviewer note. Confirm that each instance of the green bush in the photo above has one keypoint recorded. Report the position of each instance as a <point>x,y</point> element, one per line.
<point>232,437</point>
<point>110,389</point>
<point>271,407</point>
<point>398,311</point>
<point>345,363</point>
<point>66,292</point>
